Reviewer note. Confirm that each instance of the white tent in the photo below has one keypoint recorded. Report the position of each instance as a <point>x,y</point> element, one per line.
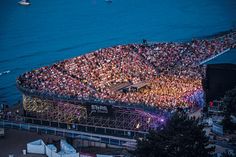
<point>55,154</point>
<point>49,149</point>
<point>37,147</point>
<point>67,148</point>
<point>63,154</point>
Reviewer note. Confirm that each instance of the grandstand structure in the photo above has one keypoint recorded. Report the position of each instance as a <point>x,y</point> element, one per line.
<point>124,90</point>
<point>90,116</point>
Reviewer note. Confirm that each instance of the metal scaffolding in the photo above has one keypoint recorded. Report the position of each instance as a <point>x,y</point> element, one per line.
<point>64,112</point>
<point>54,111</point>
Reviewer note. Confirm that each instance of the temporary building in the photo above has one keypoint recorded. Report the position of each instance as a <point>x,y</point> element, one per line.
<point>50,149</point>
<point>36,147</point>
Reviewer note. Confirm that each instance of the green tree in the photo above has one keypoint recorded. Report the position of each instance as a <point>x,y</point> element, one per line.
<point>181,137</point>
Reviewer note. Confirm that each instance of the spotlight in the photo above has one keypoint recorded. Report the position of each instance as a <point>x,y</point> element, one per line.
<point>138,126</point>
<point>149,119</point>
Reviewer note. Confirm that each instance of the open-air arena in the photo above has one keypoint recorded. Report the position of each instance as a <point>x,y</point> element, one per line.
<point>118,78</point>
<point>125,89</point>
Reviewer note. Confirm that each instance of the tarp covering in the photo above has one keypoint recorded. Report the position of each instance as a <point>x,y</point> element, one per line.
<point>36,147</point>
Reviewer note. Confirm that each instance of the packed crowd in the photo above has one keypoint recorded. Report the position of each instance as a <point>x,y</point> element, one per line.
<point>107,67</point>
<point>172,70</point>
<point>164,91</point>
<point>53,81</point>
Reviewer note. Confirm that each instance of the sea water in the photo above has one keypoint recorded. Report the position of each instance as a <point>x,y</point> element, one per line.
<point>49,31</point>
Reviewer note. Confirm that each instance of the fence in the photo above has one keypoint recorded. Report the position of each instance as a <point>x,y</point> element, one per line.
<point>106,139</point>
